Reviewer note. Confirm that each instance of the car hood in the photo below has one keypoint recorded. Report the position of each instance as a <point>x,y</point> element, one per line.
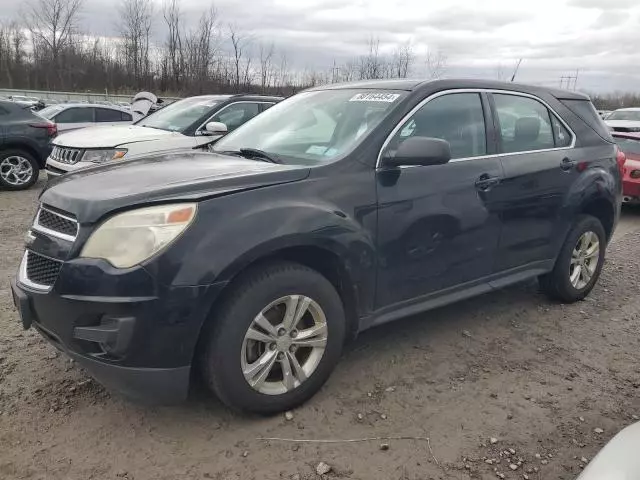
<point>109,136</point>
<point>623,124</point>
<point>91,193</point>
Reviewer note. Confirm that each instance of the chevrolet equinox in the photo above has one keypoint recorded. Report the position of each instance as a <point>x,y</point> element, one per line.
<point>340,208</point>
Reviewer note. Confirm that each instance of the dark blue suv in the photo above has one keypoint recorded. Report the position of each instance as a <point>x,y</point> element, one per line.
<point>338,209</point>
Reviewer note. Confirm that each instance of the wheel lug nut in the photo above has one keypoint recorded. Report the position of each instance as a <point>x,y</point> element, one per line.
<point>281,332</point>
<point>292,348</point>
<point>280,355</point>
<point>272,346</point>
<point>294,333</point>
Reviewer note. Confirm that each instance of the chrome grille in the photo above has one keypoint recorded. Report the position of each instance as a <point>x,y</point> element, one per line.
<point>42,270</point>
<point>56,224</point>
<point>66,155</point>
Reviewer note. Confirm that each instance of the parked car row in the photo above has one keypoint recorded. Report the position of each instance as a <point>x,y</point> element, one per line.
<point>338,209</point>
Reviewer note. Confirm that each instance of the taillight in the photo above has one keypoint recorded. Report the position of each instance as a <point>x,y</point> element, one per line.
<point>620,159</point>
<point>52,128</point>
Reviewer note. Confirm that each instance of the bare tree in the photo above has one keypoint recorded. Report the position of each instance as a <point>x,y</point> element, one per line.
<point>174,50</point>
<point>241,60</point>
<point>370,65</point>
<point>135,27</point>
<point>402,60</point>
<point>500,72</point>
<point>53,25</point>
<point>266,65</point>
<point>436,63</point>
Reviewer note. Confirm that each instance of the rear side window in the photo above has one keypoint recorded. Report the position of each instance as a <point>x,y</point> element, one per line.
<point>628,145</point>
<point>108,115</point>
<point>126,117</point>
<point>525,124</point>
<point>589,115</point>
<point>236,114</point>
<point>75,115</point>
<point>457,118</point>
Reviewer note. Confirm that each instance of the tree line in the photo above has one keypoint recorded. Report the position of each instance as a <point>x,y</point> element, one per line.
<point>158,49</point>
<point>47,50</point>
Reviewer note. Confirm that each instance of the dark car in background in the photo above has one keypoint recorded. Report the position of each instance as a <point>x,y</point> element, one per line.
<point>338,209</point>
<point>24,145</point>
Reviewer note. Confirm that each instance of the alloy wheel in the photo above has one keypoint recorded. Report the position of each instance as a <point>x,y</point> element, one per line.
<point>16,170</point>
<point>284,345</point>
<point>584,260</point>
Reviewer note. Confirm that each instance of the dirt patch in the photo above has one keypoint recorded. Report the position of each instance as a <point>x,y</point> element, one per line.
<point>508,371</point>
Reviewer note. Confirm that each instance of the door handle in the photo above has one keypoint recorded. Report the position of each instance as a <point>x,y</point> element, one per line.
<point>567,164</point>
<point>486,182</point>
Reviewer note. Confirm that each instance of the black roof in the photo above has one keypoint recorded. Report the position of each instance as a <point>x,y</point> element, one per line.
<point>452,84</point>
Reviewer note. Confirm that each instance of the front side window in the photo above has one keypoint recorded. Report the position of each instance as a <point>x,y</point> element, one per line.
<point>75,115</point>
<point>314,127</point>
<point>236,114</point>
<point>179,115</point>
<point>630,115</point>
<point>525,124</point>
<point>457,118</point>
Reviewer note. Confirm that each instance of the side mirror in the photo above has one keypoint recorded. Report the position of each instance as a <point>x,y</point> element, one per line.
<point>215,128</point>
<point>420,151</point>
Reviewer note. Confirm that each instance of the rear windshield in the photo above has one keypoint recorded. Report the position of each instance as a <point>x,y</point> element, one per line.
<point>628,145</point>
<point>587,112</point>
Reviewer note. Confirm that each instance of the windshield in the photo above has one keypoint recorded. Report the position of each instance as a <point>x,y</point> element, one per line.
<point>49,112</point>
<point>314,127</point>
<point>179,115</point>
<point>625,115</point>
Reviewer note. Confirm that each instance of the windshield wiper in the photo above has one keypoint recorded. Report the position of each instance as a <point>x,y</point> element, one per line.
<point>254,153</point>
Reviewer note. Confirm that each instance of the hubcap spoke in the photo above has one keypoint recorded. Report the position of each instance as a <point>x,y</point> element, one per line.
<point>296,308</point>
<point>265,324</point>
<point>297,368</point>
<point>253,334</point>
<point>575,276</point>
<point>16,170</point>
<point>287,374</point>
<point>258,371</point>
<point>584,260</point>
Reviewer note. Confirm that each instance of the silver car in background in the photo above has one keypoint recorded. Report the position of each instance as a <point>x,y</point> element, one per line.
<point>71,116</point>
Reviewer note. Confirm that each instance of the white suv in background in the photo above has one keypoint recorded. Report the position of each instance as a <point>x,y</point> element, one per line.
<point>71,116</point>
<point>187,123</point>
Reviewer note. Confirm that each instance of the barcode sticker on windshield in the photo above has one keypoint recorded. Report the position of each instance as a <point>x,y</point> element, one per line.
<point>375,97</point>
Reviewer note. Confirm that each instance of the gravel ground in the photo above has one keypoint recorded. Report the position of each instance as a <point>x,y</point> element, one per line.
<point>509,370</point>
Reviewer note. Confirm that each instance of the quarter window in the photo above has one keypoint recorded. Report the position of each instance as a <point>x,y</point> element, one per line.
<point>457,118</point>
<point>526,125</point>
<point>108,115</point>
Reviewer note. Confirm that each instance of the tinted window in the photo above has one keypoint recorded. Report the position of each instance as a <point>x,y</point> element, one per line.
<point>125,117</point>
<point>236,114</point>
<point>525,124</point>
<point>588,113</point>
<point>75,115</point>
<point>108,115</point>
<point>181,114</point>
<point>630,115</point>
<point>457,118</point>
<point>628,145</point>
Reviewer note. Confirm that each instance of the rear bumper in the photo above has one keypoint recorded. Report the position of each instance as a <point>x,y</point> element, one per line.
<point>631,191</point>
<point>140,345</point>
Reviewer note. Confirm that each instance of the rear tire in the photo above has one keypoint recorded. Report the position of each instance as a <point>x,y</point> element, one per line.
<point>237,341</point>
<point>579,263</point>
<point>18,170</point>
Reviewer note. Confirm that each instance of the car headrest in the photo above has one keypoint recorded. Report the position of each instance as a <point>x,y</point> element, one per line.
<point>527,129</point>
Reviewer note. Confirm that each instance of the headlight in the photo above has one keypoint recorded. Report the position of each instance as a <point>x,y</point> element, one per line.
<point>635,174</point>
<point>130,238</point>
<point>101,156</point>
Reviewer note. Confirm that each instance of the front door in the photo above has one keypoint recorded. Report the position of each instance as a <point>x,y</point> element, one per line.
<point>539,167</point>
<point>437,226</point>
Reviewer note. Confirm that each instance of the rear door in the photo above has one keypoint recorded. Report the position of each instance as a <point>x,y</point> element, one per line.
<point>437,225</point>
<point>539,167</point>
<point>74,117</point>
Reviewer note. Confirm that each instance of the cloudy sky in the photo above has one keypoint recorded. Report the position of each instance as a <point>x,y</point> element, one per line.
<point>599,38</point>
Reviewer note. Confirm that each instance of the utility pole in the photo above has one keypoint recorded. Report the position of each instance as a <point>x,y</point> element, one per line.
<point>571,81</point>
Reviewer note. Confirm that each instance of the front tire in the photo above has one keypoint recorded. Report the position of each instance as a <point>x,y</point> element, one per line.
<point>18,170</point>
<point>275,339</point>
<point>579,264</point>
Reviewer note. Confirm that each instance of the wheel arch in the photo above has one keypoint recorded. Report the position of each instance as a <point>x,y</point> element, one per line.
<point>12,145</point>
<point>603,210</point>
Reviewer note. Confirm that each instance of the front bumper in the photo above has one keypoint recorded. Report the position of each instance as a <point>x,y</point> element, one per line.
<point>140,344</point>
<point>55,168</point>
<point>631,191</point>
